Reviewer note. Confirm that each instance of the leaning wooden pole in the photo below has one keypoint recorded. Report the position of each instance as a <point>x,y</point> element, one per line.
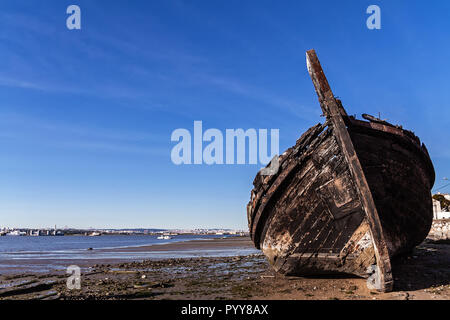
<point>381,279</point>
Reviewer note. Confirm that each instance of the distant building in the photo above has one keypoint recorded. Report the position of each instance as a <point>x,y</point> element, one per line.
<point>436,208</point>
<point>437,211</point>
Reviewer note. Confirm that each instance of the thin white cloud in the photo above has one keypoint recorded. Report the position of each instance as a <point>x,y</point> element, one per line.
<point>16,83</point>
<point>264,96</point>
<point>27,129</point>
<point>113,147</point>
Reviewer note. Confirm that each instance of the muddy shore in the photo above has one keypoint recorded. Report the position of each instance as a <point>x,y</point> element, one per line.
<point>423,274</point>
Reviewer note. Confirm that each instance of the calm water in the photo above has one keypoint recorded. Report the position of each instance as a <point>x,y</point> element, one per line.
<point>41,254</point>
<point>26,244</point>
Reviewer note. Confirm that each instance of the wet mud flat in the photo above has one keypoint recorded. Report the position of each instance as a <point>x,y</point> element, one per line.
<point>422,274</point>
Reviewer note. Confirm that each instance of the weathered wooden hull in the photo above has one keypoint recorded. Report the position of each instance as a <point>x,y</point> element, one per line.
<point>345,199</point>
<point>400,174</point>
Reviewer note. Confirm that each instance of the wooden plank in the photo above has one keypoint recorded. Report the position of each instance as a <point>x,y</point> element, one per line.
<point>257,217</point>
<point>333,112</point>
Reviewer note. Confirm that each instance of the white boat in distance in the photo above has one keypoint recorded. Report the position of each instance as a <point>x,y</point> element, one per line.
<point>16,233</point>
<point>164,237</point>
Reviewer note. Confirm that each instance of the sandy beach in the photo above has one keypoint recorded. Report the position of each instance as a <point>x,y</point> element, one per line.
<point>423,274</point>
<point>215,244</point>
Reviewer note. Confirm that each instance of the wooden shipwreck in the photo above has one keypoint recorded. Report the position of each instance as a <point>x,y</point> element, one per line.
<point>348,197</point>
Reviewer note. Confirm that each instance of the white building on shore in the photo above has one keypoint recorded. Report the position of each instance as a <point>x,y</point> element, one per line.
<point>437,211</point>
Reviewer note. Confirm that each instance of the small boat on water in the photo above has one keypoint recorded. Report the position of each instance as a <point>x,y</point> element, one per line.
<point>164,237</point>
<point>16,233</point>
<point>347,197</point>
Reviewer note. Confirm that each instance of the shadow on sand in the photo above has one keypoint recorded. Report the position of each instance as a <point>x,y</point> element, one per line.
<point>428,265</point>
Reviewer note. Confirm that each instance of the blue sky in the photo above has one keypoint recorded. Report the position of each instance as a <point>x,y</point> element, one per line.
<point>86,115</point>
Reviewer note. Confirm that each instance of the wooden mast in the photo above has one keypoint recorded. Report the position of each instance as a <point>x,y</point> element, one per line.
<point>381,279</point>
